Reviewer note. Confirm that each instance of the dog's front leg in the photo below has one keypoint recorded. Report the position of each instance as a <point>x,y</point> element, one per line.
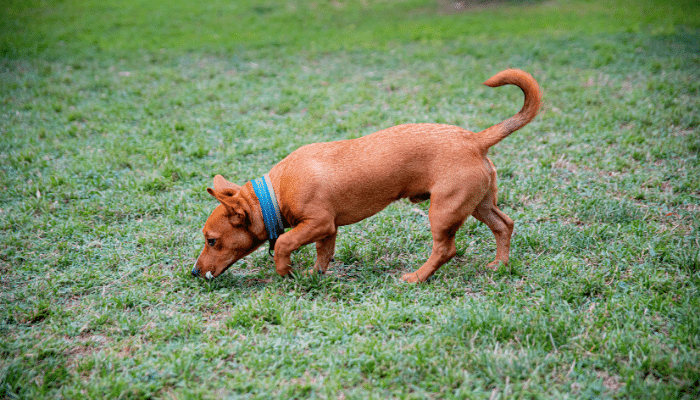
<point>306,232</point>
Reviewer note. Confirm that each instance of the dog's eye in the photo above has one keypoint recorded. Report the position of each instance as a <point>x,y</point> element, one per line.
<point>211,242</point>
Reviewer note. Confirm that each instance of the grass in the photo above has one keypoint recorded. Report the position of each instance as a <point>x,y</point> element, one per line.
<point>113,127</point>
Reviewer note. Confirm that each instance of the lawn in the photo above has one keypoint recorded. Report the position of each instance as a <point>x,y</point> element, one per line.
<point>115,116</point>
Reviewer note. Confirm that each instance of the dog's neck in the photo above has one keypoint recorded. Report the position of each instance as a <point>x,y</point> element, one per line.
<point>255,217</point>
<point>270,210</point>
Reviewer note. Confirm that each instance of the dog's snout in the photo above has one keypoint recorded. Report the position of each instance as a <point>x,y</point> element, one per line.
<point>195,273</point>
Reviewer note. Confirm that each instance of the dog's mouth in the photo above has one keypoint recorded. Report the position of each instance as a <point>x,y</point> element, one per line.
<point>209,275</point>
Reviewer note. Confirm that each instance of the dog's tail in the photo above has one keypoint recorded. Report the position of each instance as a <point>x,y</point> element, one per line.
<point>533,97</point>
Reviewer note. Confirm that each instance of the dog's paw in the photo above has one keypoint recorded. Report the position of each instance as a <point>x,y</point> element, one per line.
<point>494,265</point>
<point>313,271</point>
<point>411,278</point>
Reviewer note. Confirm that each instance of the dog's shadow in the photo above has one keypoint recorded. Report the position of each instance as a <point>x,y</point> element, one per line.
<point>340,278</point>
<point>344,279</point>
<point>244,281</point>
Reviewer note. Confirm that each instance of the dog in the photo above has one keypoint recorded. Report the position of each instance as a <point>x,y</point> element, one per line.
<point>322,186</point>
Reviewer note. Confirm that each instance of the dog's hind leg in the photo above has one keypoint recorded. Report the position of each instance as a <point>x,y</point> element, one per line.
<point>324,253</point>
<point>444,223</point>
<point>499,223</point>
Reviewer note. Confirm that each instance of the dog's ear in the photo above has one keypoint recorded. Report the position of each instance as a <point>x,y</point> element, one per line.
<point>236,207</point>
<point>221,183</point>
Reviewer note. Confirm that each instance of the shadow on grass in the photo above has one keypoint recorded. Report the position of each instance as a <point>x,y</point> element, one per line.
<point>346,283</point>
<point>241,281</point>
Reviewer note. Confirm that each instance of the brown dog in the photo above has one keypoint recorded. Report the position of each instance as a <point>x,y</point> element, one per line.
<point>322,186</point>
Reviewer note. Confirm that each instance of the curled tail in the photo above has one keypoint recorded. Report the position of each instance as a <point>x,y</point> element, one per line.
<point>533,97</point>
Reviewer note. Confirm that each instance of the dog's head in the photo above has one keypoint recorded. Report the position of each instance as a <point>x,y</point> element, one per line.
<point>230,232</point>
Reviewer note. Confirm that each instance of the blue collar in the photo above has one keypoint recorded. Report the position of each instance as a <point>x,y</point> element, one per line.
<point>270,209</point>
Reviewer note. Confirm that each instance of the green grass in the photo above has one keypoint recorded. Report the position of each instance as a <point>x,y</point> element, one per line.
<point>114,119</point>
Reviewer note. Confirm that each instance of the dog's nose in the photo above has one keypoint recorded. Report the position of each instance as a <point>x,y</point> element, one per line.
<point>195,271</point>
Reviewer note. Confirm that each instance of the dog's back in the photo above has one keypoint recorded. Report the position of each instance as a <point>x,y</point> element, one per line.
<point>362,176</point>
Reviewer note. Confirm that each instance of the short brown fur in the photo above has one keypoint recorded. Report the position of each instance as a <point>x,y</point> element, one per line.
<point>322,186</point>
